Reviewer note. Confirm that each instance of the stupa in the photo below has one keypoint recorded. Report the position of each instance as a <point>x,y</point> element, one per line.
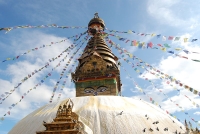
<point>98,107</point>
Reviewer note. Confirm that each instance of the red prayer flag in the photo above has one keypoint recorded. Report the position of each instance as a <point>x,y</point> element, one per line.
<point>159,45</point>
<point>150,44</point>
<point>170,38</point>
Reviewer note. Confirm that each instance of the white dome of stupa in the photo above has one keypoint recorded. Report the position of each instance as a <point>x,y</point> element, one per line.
<point>105,115</point>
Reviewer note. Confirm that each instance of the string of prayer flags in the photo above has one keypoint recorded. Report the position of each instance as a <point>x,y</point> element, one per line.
<point>119,48</point>
<point>150,44</point>
<point>69,73</point>
<point>164,38</point>
<point>62,73</point>
<point>164,49</point>
<point>52,43</point>
<point>7,94</point>
<point>8,29</point>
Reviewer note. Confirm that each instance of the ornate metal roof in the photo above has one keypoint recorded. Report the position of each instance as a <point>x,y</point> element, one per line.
<point>98,20</point>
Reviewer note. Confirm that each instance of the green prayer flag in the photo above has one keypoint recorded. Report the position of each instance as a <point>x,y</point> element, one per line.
<point>196,60</point>
<point>166,45</point>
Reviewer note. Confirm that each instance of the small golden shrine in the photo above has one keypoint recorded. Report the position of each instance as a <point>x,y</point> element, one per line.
<point>66,122</point>
<point>98,71</point>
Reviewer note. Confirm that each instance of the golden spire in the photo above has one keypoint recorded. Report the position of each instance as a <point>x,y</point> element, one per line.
<point>97,62</point>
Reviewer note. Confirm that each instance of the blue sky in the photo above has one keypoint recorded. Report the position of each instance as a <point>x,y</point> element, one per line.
<point>167,17</point>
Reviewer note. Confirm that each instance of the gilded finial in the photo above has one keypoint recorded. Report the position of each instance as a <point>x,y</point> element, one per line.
<point>96,15</point>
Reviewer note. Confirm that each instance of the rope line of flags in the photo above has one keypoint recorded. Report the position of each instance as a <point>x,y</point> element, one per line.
<point>64,69</point>
<point>78,36</point>
<point>158,36</point>
<point>8,29</point>
<point>164,47</point>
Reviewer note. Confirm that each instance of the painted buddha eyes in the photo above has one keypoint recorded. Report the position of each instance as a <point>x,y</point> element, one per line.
<point>90,90</point>
<point>101,89</point>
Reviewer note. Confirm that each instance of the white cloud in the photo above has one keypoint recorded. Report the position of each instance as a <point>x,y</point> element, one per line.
<point>170,12</point>
<point>197,113</point>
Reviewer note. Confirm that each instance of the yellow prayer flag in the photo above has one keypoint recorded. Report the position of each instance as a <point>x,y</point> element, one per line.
<point>178,49</point>
<point>185,40</point>
<point>153,34</point>
<point>175,117</point>
<point>163,49</point>
<point>130,32</point>
<point>130,55</point>
<point>195,91</point>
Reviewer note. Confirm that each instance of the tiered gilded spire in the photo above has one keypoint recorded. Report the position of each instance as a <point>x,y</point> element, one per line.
<point>97,65</point>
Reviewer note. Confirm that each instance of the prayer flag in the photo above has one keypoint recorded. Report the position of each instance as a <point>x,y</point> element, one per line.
<point>158,36</point>
<point>186,51</point>
<point>122,39</point>
<point>185,40</point>
<point>150,44</point>
<point>164,38</point>
<point>127,41</point>
<point>177,49</point>
<point>7,93</point>
<point>134,43</point>
<point>163,49</point>
<point>195,91</point>
<point>159,45</point>
<point>141,45</point>
<point>191,89</point>
<point>170,38</point>
<point>196,60</point>
<point>194,40</point>
<point>166,45</point>
<point>176,38</point>
<point>130,32</point>
<point>172,52</point>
